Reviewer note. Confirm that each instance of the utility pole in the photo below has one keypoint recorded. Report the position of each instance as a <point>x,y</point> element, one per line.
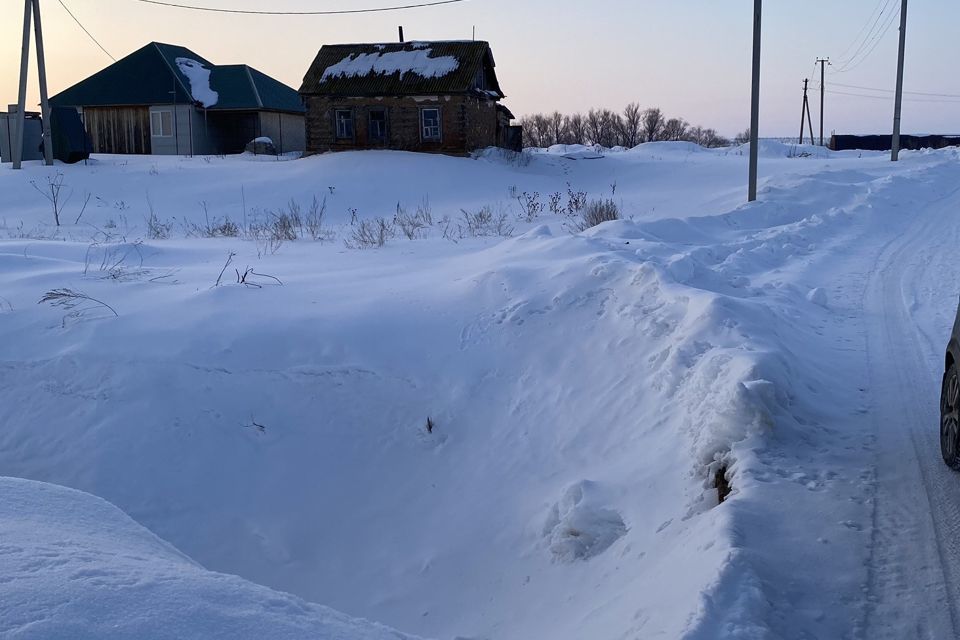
<point>898,103</point>
<point>805,117</point>
<point>31,9</point>
<point>755,101</point>
<point>823,62</point>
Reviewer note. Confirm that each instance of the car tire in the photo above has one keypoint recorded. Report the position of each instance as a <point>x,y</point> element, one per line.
<point>950,418</point>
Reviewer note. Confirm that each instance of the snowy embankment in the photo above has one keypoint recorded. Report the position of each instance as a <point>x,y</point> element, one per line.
<point>488,437</point>
<point>76,567</point>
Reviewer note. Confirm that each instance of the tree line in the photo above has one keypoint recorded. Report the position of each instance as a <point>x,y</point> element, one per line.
<point>610,129</point>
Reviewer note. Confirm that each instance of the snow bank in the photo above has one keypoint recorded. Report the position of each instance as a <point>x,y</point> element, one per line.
<point>74,566</point>
<point>199,78</point>
<point>419,61</point>
<point>582,390</point>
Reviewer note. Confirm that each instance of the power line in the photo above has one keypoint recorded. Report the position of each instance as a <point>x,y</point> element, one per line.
<point>869,36</point>
<point>876,42</point>
<point>912,93</point>
<point>90,35</point>
<point>434,3</point>
<point>863,31</point>
<point>864,95</point>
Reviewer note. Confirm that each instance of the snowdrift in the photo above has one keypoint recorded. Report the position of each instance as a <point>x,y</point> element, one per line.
<point>75,566</point>
<point>495,437</point>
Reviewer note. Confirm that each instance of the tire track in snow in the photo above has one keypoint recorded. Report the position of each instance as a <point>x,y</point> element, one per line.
<point>915,545</point>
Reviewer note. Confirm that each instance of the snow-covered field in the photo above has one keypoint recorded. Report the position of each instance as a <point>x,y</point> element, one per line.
<point>510,436</point>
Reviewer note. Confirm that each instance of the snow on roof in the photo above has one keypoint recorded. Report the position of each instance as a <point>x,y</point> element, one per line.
<point>418,61</point>
<point>199,77</point>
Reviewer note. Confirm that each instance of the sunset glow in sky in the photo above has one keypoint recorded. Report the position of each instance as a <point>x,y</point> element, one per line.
<point>691,58</point>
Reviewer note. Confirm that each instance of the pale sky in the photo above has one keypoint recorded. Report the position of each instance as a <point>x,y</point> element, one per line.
<point>689,57</point>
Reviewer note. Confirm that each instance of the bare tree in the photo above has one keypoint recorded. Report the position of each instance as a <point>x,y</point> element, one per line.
<point>631,124</point>
<point>558,127</point>
<point>594,126</point>
<point>653,122</point>
<point>707,137</point>
<point>675,129</point>
<point>607,128</point>
<point>545,130</point>
<point>743,137</point>
<point>576,129</point>
<point>533,130</point>
<point>602,125</point>
<point>528,134</point>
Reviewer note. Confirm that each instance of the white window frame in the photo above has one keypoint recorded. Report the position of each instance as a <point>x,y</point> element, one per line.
<point>431,133</point>
<point>385,121</point>
<point>336,124</point>
<point>156,123</point>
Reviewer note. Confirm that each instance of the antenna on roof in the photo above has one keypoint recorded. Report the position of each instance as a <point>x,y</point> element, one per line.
<point>474,32</point>
<point>401,34</point>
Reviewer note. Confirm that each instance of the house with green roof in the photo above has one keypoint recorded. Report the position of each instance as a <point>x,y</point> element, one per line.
<point>166,99</point>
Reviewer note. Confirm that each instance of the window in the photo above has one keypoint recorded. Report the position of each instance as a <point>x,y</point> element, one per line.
<point>344,118</point>
<point>378,125</point>
<point>430,124</point>
<point>161,124</point>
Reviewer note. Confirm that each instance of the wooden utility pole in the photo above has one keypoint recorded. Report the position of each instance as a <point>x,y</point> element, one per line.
<point>898,102</point>
<point>755,101</point>
<point>823,62</point>
<point>805,117</point>
<point>31,9</point>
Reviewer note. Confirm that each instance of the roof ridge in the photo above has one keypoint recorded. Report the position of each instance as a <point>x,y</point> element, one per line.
<point>253,85</point>
<point>405,42</point>
<point>176,76</point>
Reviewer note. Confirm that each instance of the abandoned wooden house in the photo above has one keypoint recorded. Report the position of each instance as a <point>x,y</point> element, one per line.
<point>165,99</point>
<point>419,96</point>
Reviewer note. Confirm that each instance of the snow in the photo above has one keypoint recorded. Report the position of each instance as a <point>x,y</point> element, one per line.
<point>199,78</point>
<point>74,566</point>
<point>419,61</point>
<point>583,389</point>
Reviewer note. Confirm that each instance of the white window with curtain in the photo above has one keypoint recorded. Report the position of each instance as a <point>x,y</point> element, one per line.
<point>161,123</point>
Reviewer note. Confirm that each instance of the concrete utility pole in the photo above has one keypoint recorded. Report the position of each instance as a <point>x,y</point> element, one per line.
<point>898,102</point>
<point>823,62</point>
<point>755,101</point>
<point>31,9</point>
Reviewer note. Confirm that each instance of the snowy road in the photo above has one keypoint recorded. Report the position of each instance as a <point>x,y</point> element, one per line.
<point>914,569</point>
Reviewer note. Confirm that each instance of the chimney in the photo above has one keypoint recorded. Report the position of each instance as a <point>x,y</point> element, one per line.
<point>401,35</point>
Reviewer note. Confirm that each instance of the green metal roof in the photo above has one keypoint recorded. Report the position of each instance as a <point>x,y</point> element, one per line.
<point>472,58</point>
<point>151,76</point>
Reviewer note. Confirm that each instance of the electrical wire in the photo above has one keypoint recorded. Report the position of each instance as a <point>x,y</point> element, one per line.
<point>176,5</point>
<point>912,93</point>
<point>890,98</point>
<point>89,35</point>
<point>876,42</point>
<point>871,33</point>
<point>863,31</point>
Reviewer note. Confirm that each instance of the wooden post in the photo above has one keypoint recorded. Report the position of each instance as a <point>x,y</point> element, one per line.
<point>44,101</point>
<point>20,117</point>
<point>803,110</point>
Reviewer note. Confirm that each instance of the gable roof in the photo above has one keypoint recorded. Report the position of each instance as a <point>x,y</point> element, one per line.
<point>402,68</point>
<point>152,75</point>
